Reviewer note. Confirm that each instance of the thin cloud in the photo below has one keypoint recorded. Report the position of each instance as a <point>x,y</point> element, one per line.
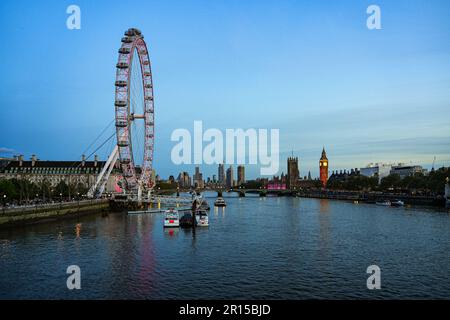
<point>7,150</point>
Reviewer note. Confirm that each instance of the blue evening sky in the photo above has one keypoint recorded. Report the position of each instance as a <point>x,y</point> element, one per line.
<point>309,68</point>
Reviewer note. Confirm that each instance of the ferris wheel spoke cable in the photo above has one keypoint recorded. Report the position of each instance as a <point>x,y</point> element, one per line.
<point>135,96</point>
<point>139,133</point>
<point>139,128</point>
<point>137,107</point>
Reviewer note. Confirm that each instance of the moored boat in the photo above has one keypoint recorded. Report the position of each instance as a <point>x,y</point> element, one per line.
<point>220,202</point>
<point>397,203</point>
<point>171,219</point>
<point>202,218</point>
<point>186,221</point>
<point>383,203</point>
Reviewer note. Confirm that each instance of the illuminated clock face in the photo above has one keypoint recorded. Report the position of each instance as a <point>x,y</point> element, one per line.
<point>325,164</point>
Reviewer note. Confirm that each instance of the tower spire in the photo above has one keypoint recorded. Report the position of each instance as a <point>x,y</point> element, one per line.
<point>324,154</point>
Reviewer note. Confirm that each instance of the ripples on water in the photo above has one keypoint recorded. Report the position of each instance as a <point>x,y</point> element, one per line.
<point>257,248</point>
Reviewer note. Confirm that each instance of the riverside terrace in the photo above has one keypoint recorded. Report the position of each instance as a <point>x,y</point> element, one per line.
<point>31,214</point>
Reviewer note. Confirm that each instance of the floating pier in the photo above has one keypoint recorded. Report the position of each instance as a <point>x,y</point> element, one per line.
<point>156,211</point>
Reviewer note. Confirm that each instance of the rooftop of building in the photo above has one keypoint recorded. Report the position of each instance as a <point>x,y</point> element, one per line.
<point>52,167</point>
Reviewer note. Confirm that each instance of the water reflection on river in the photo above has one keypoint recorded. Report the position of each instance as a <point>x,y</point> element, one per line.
<point>255,248</point>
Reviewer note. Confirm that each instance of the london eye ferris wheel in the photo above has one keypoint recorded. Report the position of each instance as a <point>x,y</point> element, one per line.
<point>134,119</point>
<point>134,112</point>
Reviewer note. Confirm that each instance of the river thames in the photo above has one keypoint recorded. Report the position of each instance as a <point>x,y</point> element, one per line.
<point>255,248</point>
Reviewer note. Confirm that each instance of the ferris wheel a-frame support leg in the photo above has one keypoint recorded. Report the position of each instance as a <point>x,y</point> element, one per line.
<point>99,186</point>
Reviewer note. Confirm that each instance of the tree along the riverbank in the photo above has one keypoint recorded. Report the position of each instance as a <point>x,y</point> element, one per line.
<point>354,183</point>
<point>19,190</point>
<point>166,186</point>
<point>433,183</point>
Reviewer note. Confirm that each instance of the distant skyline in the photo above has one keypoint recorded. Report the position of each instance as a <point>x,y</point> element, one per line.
<point>311,69</point>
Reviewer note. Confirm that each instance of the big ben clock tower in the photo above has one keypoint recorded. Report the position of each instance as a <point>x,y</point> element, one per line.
<point>323,166</point>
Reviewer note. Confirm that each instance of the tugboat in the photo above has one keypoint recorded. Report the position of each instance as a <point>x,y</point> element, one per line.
<point>171,219</point>
<point>220,202</point>
<point>202,218</point>
<point>186,221</point>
